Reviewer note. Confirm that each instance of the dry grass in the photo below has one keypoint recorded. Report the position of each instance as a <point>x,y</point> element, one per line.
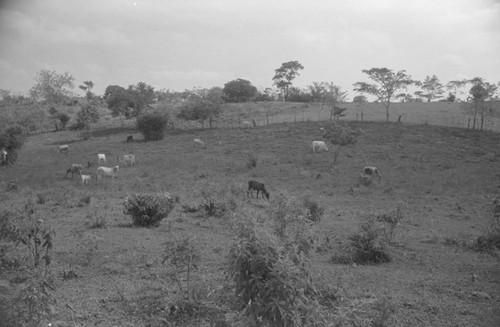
<point>444,177</point>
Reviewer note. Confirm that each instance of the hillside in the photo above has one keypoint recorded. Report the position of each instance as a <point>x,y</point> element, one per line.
<point>444,180</point>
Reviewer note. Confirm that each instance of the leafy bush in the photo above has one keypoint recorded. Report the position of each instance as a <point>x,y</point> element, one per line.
<point>314,210</point>
<point>272,283</point>
<point>491,236</point>
<point>153,125</point>
<point>148,209</point>
<point>369,243</point>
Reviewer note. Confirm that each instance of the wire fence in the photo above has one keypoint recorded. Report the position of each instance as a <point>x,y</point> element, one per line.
<point>447,119</point>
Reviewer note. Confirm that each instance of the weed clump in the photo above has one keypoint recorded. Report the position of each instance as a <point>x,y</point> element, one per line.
<point>315,211</point>
<point>148,209</point>
<point>490,239</point>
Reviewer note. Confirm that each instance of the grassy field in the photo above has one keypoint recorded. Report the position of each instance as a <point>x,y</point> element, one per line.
<point>443,179</point>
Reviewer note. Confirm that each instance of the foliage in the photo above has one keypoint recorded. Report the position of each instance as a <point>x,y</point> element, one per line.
<point>87,116</point>
<point>341,135</point>
<point>387,83</point>
<point>360,99</point>
<point>216,202</point>
<point>153,125</point>
<point>239,90</point>
<point>480,92</point>
<point>297,95</point>
<point>273,284</point>
<point>52,87</point>
<point>369,243</point>
<point>432,87</point>
<point>285,75</point>
<point>267,94</point>
<point>120,101</point>
<point>148,209</point>
<point>202,105</point>
<point>38,240</point>
<point>35,301</point>
<point>12,140</point>
<point>314,211</point>
<point>143,95</point>
<point>454,87</point>
<point>88,244</point>
<point>184,258</point>
<point>490,239</point>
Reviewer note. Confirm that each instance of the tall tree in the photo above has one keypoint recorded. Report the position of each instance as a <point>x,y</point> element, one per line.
<point>239,90</point>
<point>455,88</point>
<point>120,101</point>
<point>89,113</point>
<point>52,87</point>
<point>387,83</point>
<point>285,75</point>
<point>433,89</point>
<point>480,92</point>
<point>144,96</point>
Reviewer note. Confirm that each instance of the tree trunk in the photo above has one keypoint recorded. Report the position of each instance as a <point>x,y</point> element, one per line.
<point>475,115</point>
<point>387,113</point>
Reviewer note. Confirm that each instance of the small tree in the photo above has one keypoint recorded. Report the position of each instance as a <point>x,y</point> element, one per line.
<point>153,125</point>
<point>341,135</point>
<point>285,75</point>
<point>86,117</point>
<point>387,83</point>
<point>239,90</point>
<point>455,88</point>
<point>63,119</point>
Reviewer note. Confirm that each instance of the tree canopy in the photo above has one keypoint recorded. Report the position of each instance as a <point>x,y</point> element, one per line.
<point>239,90</point>
<point>432,88</point>
<point>202,105</point>
<point>52,87</point>
<point>387,83</point>
<point>285,75</point>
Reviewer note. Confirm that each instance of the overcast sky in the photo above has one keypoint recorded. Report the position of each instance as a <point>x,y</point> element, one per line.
<point>182,44</point>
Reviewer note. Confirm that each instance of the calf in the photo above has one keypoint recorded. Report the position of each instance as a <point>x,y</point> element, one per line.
<point>257,186</point>
<point>86,179</point>
<point>74,169</point>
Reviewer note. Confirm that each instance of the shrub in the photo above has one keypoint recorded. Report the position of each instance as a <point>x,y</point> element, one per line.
<point>273,284</point>
<point>153,125</point>
<point>148,209</point>
<point>491,236</point>
<point>368,244</point>
<point>314,210</point>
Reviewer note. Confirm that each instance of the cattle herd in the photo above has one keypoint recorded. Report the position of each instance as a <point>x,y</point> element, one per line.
<point>129,160</point>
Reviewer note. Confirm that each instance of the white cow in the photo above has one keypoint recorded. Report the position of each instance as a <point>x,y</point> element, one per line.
<point>107,171</point>
<point>127,159</point>
<point>63,148</point>
<point>85,179</point>
<point>319,146</point>
<point>200,142</point>
<point>101,157</point>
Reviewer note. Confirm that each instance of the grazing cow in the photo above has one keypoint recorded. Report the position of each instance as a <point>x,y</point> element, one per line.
<point>200,142</point>
<point>371,171</point>
<point>127,159</point>
<point>101,157</point>
<point>86,179</point>
<point>246,124</point>
<point>130,138</point>
<point>319,146</point>
<point>257,186</point>
<point>63,148</point>
<point>74,169</point>
<point>107,171</point>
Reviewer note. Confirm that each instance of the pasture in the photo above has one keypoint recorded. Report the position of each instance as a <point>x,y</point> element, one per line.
<point>444,180</point>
